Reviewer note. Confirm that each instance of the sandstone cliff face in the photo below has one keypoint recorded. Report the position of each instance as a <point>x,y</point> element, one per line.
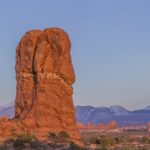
<point>45,74</point>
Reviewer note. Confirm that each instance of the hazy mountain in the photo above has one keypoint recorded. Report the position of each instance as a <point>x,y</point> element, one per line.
<point>119,110</point>
<point>96,115</point>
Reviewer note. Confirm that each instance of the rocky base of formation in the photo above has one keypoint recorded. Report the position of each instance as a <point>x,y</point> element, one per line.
<point>12,128</point>
<point>44,74</point>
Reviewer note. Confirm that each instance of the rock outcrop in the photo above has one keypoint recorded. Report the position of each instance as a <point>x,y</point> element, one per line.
<point>148,126</point>
<point>45,74</point>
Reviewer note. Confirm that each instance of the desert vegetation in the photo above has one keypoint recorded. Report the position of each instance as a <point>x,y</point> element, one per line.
<point>60,141</point>
<point>116,141</point>
<point>92,140</point>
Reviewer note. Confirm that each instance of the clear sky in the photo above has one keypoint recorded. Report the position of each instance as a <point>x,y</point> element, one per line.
<point>110,46</point>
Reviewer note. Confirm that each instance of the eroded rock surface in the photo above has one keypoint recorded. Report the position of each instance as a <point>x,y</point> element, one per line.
<point>45,74</point>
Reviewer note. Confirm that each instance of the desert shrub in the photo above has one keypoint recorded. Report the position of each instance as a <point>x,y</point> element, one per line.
<point>145,139</point>
<point>74,146</point>
<point>107,141</point>
<point>117,140</point>
<point>28,137</point>
<point>19,143</point>
<point>24,138</point>
<point>63,134</point>
<point>95,140</point>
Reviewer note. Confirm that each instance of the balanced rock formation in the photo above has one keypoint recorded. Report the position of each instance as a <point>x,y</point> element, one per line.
<point>45,74</point>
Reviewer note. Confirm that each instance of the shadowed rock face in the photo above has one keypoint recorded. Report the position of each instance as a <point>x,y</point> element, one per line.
<point>45,74</point>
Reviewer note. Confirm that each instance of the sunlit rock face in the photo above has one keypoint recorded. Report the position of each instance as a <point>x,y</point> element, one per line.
<point>45,74</point>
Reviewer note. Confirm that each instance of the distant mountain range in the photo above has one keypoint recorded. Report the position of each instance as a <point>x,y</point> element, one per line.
<point>96,115</point>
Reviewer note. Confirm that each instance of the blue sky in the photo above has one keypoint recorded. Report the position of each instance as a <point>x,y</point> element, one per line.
<point>110,46</point>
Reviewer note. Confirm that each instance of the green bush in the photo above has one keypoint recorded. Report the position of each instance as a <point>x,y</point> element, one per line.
<point>24,138</point>
<point>63,134</point>
<point>19,143</point>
